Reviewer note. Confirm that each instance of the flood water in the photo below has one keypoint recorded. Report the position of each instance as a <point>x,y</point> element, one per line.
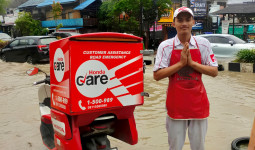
<point>231,96</point>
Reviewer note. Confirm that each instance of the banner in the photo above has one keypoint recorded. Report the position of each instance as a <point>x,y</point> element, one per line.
<point>197,26</point>
<point>225,26</point>
<point>166,18</point>
<point>198,7</point>
<point>157,27</point>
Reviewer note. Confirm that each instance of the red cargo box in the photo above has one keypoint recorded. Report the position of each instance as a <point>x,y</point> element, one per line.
<point>98,71</point>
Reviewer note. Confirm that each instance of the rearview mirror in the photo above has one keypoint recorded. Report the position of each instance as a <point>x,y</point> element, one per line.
<point>231,43</point>
<point>32,71</point>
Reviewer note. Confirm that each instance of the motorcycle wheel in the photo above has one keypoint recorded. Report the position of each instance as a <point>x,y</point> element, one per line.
<point>102,142</point>
<point>47,134</point>
<point>99,142</point>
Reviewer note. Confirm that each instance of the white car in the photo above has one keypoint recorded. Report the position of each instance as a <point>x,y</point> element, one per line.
<point>226,46</point>
<point>5,37</point>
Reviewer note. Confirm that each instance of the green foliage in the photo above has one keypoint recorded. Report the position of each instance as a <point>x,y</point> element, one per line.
<point>45,31</point>
<point>3,5</point>
<point>56,10</point>
<point>107,20</point>
<point>26,25</point>
<point>246,56</point>
<point>112,11</point>
<point>59,26</point>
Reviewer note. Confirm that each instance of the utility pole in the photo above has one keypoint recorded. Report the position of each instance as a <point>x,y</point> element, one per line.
<point>141,18</point>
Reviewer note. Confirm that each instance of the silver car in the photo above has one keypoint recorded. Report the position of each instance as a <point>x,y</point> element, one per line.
<point>226,46</point>
<point>5,37</point>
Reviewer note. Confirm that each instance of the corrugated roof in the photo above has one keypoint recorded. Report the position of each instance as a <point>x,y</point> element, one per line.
<point>84,4</point>
<point>237,9</point>
<point>30,3</point>
<point>49,2</point>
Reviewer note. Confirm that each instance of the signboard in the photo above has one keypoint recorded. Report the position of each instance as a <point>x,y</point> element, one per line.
<point>198,7</point>
<point>225,25</point>
<point>238,30</point>
<point>10,20</point>
<point>251,29</point>
<point>157,27</point>
<point>197,26</point>
<point>166,18</point>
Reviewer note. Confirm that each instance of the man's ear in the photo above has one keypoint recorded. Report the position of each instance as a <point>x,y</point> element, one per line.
<point>173,24</point>
<point>193,22</point>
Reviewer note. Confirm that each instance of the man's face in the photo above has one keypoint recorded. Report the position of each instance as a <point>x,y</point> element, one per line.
<point>183,23</point>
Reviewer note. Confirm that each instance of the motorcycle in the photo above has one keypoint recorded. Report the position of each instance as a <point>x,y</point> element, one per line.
<point>93,138</point>
<point>95,84</point>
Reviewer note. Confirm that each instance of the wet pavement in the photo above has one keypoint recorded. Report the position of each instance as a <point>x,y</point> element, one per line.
<point>231,95</point>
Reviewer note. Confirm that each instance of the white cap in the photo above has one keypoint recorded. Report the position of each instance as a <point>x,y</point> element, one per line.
<point>183,9</point>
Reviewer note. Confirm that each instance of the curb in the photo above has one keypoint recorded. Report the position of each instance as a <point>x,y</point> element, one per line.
<point>241,67</point>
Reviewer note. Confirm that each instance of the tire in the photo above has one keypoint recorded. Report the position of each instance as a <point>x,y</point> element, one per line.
<point>30,60</point>
<point>220,67</point>
<point>4,58</point>
<point>235,145</point>
<point>47,133</point>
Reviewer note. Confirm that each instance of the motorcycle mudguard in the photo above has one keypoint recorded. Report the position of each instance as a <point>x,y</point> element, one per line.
<point>43,92</point>
<point>125,130</point>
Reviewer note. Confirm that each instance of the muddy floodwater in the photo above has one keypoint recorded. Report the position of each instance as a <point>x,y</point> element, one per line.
<point>231,96</point>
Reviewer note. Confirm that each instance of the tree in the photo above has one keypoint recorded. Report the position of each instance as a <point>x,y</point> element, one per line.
<point>125,15</point>
<point>57,11</point>
<point>107,20</point>
<point>3,5</point>
<point>26,25</point>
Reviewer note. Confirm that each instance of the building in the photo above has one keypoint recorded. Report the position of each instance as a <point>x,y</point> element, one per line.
<point>201,9</point>
<point>8,21</point>
<point>77,15</point>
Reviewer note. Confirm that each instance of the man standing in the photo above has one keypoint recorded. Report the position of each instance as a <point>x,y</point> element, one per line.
<point>183,59</point>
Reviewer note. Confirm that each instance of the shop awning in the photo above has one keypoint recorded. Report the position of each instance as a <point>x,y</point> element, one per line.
<point>84,5</point>
<point>50,2</point>
<point>167,24</point>
<point>237,9</point>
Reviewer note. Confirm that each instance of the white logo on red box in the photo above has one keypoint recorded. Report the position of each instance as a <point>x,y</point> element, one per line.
<point>59,126</point>
<point>59,64</point>
<point>91,78</point>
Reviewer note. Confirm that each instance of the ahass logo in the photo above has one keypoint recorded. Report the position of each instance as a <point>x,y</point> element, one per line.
<point>59,64</point>
<point>91,78</point>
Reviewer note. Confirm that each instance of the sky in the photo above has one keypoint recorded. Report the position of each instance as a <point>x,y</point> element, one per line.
<point>238,1</point>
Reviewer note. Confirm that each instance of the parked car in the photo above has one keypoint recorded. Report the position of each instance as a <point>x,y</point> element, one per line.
<point>5,37</point>
<point>30,49</point>
<point>226,45</point>
<point>61,35</point>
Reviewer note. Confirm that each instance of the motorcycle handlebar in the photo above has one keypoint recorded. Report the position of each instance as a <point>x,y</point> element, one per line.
<point>46,81</point>
<point>39,82</point>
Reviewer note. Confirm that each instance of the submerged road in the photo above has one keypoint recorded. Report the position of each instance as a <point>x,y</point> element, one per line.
<point>231,96</point>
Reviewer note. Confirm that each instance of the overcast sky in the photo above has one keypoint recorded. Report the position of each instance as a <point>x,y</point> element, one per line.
<point>238,1</point>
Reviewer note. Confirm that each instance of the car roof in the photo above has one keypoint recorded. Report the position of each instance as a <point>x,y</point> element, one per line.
<point>72,33</point>
<point>34,37</point>
<point>215,35</point>
<point>66,32</point>
<point>3,33</point>
<point>6,34</point>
